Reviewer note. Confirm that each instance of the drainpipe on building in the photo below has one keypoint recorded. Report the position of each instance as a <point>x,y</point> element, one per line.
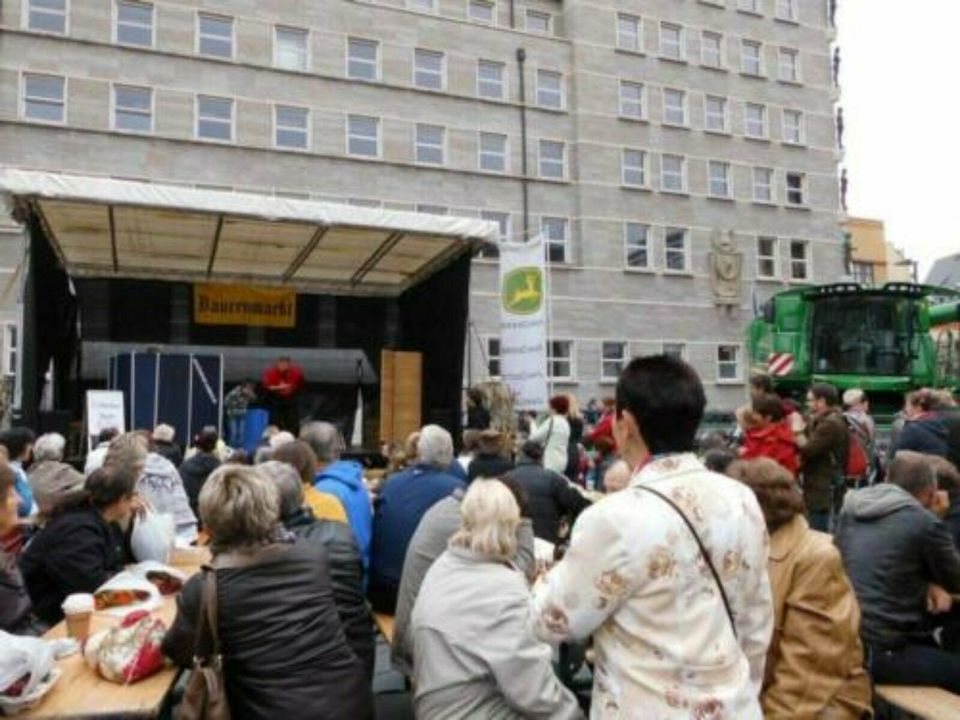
<point>513,14</point>
<point>524,183</point>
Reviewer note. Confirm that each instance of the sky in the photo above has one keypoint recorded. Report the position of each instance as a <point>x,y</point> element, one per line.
<point>900,92</point>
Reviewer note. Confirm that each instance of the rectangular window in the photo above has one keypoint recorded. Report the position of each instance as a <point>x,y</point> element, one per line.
<point>560,359</point>
<point>789,65</point>
<point>767,258</point>
<point>675,350</point>
<point>552,159</point>
<point>422,5</point>
<point>549,89</point>
<point>793,127</point>
<point>493,152</point>
<point>637,239</point>
<point>47,16</point>
<point>363,135</point>
<point>796,183</point>
<point>290,48</point>
<point>674,107</point>
<point>751,58</point>
<point>292,127</point>
<point>481,11</point>
<point>502,219</point>
<point>751,6</point>
<point>134,23</point>
<point>631,100</point>
<point>719,173</point>
<point>676,249</point>
<point>634,168</point>
<point>429,144</point>
<point>862,272</point>
<point>715,113</point>
<point>214,118</point>
<point>799,260</point>
<point>428,69</point>
<point>490,79</point>
<point>711,49</point>
<point>554,231</point>
<point>629,33</point>
<point>44,98</point>
<point>613,357</point>
<point>363,59</point>
<point>755,120</point>
<point>763,184</point>
<point>673,173</point>
<point>538,22</point>
<point>493,357</point>
<point>132,108</point>
<point>215,35</point>
<point>10,349</point>
<point>671,41</point>
<point>728,363</point>
<point>787,10</point>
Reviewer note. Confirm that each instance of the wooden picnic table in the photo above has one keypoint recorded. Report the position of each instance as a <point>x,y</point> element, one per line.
<point>82,693</point>
<point>929,703</point>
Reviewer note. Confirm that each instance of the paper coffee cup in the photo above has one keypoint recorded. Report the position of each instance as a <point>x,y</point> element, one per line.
<point>78,610</point>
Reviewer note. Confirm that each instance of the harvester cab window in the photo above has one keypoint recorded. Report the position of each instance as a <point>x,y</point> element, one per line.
<point>870,334</point>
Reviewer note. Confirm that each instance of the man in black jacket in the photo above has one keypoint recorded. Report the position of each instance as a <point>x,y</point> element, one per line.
<point>550,496</point>
<point>894,549</point>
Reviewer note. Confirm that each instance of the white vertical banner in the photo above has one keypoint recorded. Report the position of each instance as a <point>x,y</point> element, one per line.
<point>523,322</point>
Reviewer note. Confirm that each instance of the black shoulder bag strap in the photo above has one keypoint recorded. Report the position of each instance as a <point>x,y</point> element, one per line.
<point>703,551</point>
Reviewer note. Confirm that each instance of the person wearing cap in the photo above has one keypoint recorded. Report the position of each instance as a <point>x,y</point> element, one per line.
<point>490,460</point>
<point>164,445</point>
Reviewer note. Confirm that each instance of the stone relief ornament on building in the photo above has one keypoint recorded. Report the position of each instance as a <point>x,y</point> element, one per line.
<point>726,266</point>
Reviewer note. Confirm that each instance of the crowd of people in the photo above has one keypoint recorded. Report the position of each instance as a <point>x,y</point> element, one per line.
<point>775,577</point>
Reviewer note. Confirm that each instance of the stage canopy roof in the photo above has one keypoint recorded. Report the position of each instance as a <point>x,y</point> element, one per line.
<point>102,227</point>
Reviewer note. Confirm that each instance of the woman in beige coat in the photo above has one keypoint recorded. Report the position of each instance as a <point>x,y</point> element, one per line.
<point>814,666</point>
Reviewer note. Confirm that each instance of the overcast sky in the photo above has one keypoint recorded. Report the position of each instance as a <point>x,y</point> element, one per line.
<point>900,90</point>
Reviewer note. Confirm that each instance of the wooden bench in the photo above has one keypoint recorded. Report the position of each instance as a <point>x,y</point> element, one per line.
<point>384,625</point>
<point>928,703</point>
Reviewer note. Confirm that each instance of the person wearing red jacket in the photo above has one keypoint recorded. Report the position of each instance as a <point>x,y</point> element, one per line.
<point>769,435</point>
<point>283,382</point>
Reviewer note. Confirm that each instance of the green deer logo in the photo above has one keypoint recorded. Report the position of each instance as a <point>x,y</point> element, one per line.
<point>522,292</point>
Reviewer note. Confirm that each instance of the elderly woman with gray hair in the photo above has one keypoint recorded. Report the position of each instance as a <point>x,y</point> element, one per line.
<point>475,654</point>
<point>285,652</point>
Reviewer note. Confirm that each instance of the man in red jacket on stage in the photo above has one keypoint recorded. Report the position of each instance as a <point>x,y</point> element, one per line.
<point>283,383</point>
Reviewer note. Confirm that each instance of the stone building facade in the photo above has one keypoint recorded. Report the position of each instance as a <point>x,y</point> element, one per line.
<point>652,131</point>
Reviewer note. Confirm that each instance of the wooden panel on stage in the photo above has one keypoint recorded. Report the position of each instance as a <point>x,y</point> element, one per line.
<point>401,378</point>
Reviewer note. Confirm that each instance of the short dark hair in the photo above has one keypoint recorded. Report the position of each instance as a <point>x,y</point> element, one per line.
<point>776,490</point>
<point>107,434</point>
<point>106,485</point>
<point>826,392</point>
<point>16,440</point>
<point>946,473</point>
<point>769,406</point>
<point>560,404</point>
<point>207,440</point>
<point>912,471</point>
<point>718,460</point>
<point>762,382</point>
<point>300,456</point>
<point>532,450</point>
<point>666,398</point>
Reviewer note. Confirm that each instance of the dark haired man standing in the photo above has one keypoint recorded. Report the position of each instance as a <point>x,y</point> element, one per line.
<point>824,456</point>
<point>668,575</point>
<point>283,382</point>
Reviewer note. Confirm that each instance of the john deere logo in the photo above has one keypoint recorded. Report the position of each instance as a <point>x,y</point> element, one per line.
<point>523,291</point>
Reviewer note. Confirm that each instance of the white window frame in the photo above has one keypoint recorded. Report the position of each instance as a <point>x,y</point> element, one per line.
<point>626,105</point>
<point>683,173</point>
<point>538,13</point>
<point>24,99</point>
<point>773,259</point>
<point>720,64</point>
<point>788,77</point>
<point>502,83</point>
<point>802,189</point>
<point>804,262</point>
<point>724,114</point>
<point>643,168</point>
<point>765,133</point>
<point>788,137</point>
<point>755,185</point>
<point>682,346</point>
<point>667,251</point>
<point>197,118</point>
<point>425,6</point>
<point>624,358</point>
<point>233,35</point>
<point>47,11</point>
<point>674,92</point>
<point>737,364</point>
<point>559,92</point>
<point>727,179</point>
<point>481,152</point>
<point>793,12</point>
<point>749,6</point>
<point>363,61</point>
<point>563,159</point>
<point>116,23</point>
<point>419,53</point>
<point>305,130</point>
<point>11,348</point>
<point>744,44</point>
<point>113,108</point>
<point>506,227</point>
<point>552,358</point>
<point>475,3</point>
<point>350,134</point>
<point>418,144</point>
<point>491,356</point>
<point>862,272</point>
<point>552,243</point>
<point>290,29</point>
<point>680,44</point>
<point>629,245</point>
<point>637,32</point>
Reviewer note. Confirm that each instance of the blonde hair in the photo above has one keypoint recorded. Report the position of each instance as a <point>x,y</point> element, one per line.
<point>239,506</point>
<point>127,452</point>
<point>574,409</point>
<point>489,519</point>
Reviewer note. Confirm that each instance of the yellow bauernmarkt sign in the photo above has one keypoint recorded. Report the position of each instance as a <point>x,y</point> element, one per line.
<point>244,305</point>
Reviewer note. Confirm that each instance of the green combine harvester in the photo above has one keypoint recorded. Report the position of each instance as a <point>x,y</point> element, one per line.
<point>886,340</point>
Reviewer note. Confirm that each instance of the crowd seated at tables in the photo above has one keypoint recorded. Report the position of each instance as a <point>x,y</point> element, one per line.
<point>741,582</point>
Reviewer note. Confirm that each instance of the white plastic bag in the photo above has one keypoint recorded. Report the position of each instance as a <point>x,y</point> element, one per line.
<point>24,658</point>
<point>153,537</point>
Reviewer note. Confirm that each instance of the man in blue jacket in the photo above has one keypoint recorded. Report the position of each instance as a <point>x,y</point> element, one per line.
<point>405,498</point>
<point>342,479</point>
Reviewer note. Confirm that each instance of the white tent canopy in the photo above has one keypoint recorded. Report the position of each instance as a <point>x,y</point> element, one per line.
<point>102,227</point>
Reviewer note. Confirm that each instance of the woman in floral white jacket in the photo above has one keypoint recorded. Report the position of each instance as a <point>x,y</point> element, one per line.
<point>672,639</point>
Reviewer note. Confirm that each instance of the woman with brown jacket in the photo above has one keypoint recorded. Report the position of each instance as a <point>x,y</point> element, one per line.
<point>814,665</point>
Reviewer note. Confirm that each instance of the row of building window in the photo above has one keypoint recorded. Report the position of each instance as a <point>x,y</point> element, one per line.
<point>614,355</point>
